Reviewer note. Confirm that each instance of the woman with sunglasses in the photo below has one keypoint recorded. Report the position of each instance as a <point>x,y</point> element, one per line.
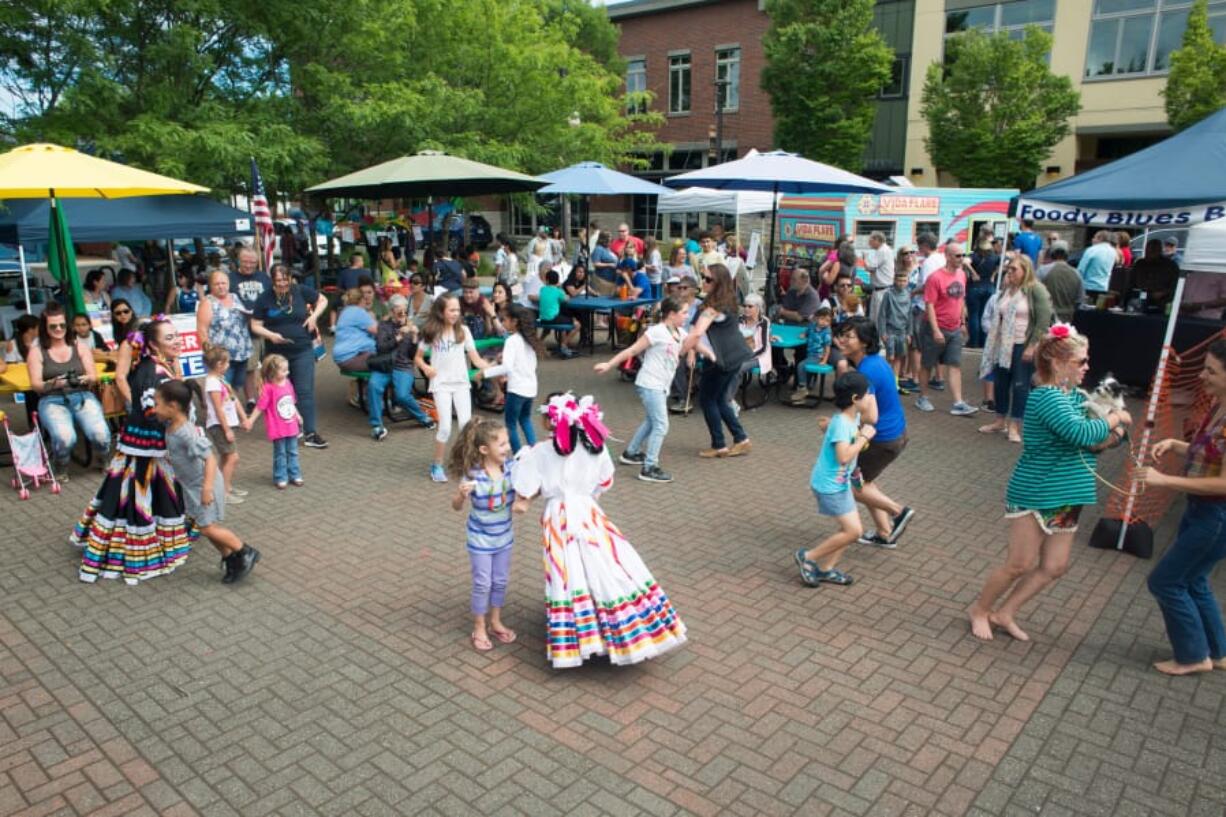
<point>1052,481</point>
<point>135,526</point>
<point>419,300</point>
<point>719,323</point>
<point>123,323</point>
<point>62,372</point>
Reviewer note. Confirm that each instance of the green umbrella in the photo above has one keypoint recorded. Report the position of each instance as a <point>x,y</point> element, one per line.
<point>62,260</point>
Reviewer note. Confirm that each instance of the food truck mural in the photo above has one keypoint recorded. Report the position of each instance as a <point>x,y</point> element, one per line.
<point>810,225</point>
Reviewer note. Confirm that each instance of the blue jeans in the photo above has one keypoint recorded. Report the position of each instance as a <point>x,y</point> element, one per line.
<point>302,375</point>
<point>977,296</point>
<point>402,395</point>
<point>58,411</point>
<point>713,397</point>
<point>517,413</point>
<point>1180,583</point>
<point>1013,385</point>
<point>285,460</point>
<point>654,427</point>
<point>236,376</point>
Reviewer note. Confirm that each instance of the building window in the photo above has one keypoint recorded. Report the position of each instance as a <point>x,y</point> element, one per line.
<point>1136,37</point>
<point>728,69</point>
<point>931,227</point>
<point>636,86</point>
<point>896,86</point>
<point>866,228</point>
<point>1011,16</point>
<point>679,83</point>
<point>644,222</point>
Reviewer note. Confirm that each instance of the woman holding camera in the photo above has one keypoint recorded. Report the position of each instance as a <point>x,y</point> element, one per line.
<point>63,372</point>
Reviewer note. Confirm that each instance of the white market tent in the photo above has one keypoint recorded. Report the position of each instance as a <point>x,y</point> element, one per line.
<point>1206,248</point>
<point>708,200</point>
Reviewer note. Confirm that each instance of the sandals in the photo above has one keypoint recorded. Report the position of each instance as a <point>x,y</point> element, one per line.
<point>992,428</point>
<point>505,636</point>
<point>481,643</point>
<point>813,575</point>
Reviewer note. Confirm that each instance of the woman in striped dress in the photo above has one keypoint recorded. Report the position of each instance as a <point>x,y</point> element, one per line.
<point>1053,479</point>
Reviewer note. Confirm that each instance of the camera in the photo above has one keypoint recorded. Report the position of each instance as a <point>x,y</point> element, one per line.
<point>74,379</point>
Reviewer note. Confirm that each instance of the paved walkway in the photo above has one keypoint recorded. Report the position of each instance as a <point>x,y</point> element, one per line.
<point>339,680</point>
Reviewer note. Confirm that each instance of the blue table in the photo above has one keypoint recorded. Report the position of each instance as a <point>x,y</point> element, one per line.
<point>787,336</point>
<point>591,304</point>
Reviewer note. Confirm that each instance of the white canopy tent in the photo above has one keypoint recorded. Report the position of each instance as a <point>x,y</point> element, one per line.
<point>707,200</point>
<point>1206,247</point>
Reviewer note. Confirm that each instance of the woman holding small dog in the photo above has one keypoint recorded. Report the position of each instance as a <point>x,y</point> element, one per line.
<point>1180,580</point>
<point>1053,479</point>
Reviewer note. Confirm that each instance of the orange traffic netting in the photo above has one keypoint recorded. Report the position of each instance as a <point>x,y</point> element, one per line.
<point>1175,407</point>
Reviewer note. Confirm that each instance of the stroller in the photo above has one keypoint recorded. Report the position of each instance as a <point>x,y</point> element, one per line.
<point>30,460</point>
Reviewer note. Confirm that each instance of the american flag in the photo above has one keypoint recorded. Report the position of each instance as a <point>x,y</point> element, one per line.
<point>263,216</point>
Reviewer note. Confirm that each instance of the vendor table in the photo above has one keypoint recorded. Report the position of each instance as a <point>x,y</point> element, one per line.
<point>591,304</point>
<point>1128,344</point>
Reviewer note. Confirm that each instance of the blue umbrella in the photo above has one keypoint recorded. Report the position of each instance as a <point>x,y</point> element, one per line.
<point>594,179</point>
<point>778,172</point>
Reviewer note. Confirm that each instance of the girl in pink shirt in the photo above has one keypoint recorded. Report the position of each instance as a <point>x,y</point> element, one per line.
<point>279,405</point>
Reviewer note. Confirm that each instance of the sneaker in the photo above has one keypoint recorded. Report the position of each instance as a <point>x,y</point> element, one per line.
<point>937,384</point>
<point>653,473</point>
<point>355,402</point>
<point>627,458</point>
<point>313,440</point>
<point>239,492</point>
<point>281,486</point>
<point>900,523</point>
<point>740,449</point>
<point>427,422</point>
<point>924,404</point>
<point>234,499</point>
<point>963,409</point>
<point>833,576</point>
<point>909,384</point>
<point>808,569</point>
<point>676,407</point>
<point>987,405</point>
<point>378,433</point>
<point>876,540</point>
<point>567,354</point>
<point>297,482</point>
<point>438,473</point>
<point>903,390</point>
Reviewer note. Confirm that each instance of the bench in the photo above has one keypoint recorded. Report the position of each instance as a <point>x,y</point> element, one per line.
<point>806,374</point>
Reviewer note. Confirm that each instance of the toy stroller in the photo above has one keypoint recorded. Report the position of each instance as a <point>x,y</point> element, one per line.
<point>30,460</point>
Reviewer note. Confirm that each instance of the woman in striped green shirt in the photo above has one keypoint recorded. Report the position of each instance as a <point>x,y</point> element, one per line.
<point>1053,479</point>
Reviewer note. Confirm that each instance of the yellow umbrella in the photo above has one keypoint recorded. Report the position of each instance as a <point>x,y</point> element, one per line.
<point>42,170</point>
<point>50,171</point>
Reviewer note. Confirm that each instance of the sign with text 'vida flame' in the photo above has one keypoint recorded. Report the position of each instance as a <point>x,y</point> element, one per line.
<point>1051,213</point>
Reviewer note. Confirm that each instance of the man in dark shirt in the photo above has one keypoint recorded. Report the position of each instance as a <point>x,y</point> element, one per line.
<point>800,301</point>
<point>248,284</point>
<point>448,273</point>
<point>1063,282</point>
<point>1155,273</point>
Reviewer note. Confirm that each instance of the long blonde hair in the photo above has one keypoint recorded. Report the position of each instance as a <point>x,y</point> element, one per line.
<point>466,453</point>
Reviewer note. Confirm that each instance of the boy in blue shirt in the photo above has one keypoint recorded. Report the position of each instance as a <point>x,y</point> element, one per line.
<point>553,310</point>
<point>831,482</point>
<point>817,350</point>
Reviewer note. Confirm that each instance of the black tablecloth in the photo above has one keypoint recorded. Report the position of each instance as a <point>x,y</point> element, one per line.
<point>1128,345</point>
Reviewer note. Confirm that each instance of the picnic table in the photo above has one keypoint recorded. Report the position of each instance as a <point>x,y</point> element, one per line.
<point>591,304</point>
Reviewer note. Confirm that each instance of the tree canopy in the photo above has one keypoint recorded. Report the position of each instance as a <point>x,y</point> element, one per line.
<point>825,64</point>
<point>994,109</point>
<point>193,88</point>
<point>1196,85</point>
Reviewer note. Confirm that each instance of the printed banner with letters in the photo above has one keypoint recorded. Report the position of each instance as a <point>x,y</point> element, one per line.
<point>1073,215</point>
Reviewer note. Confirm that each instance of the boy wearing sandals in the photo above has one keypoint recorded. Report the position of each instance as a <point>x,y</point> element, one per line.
<point>831,481</point>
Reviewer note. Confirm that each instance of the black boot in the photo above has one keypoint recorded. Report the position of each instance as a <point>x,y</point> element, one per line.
<point>244,560</point>
<point>232,564</point>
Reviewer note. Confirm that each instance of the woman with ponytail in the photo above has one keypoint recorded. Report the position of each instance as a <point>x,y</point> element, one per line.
<point>600,599</point>
<point>1053,479</point>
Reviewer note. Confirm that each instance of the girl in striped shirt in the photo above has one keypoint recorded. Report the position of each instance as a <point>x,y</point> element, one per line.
<point>480,461</point>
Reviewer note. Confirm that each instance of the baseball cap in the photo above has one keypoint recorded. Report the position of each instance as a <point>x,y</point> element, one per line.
<point>1060,244</point>
<point>1171,241</point>
<point>675,279</point>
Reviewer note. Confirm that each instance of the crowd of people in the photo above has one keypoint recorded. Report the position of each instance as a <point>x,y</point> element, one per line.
<point>173,469</point>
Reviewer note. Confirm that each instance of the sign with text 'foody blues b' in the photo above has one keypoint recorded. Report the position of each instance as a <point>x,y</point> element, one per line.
<point>1085,216</point>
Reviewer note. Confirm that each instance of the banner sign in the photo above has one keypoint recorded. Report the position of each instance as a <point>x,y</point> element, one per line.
<point>191,359</point>
<point>909,205</point>
<point>810,231</point>
<point>1041,211</point>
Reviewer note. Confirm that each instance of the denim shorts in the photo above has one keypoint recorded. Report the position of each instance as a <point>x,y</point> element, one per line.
<point>835,504</point>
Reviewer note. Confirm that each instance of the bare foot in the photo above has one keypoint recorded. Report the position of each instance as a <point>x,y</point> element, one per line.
<point>1007,624</point>
<point>981,627</point>
<point>1173,667</point>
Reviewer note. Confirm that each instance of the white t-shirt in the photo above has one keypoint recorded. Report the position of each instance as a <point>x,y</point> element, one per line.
<point>213,383</point>
<point>518,366</point>
<point>126,258</point>
<point>661,358</point>
<point>531,287</point>
<point>930,265</point>
<point>450,360</point>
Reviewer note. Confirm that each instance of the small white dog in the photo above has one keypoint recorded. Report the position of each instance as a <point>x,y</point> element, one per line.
<point>1108,396</point>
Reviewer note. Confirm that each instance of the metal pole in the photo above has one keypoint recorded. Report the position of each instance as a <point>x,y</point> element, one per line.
<point>1151,411</point>
<point>720,86</point>
<point>771,271</point>
<point>25,276</point>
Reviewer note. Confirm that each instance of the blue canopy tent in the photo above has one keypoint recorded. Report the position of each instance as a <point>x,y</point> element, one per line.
<point>138,218</point>
<point>1179,182</point>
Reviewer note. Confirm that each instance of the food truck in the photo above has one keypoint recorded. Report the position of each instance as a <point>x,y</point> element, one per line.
<point>809,226</point>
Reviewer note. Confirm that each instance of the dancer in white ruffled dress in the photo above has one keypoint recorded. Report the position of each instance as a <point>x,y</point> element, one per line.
<point>600,599</point>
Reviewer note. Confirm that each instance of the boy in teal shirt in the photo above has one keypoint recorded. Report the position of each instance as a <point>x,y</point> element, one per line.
<point>552,304</point>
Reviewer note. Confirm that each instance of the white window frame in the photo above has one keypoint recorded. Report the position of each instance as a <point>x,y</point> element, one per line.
<point>996,27</point>
<point>675,71</point>
<point>1216,9</point>
<point>723,62</point>
<point>636,68</point>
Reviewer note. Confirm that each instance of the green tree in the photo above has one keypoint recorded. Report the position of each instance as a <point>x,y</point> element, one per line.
<point>994,109</point>
<point>1196,85</point>
<point>825,64</point>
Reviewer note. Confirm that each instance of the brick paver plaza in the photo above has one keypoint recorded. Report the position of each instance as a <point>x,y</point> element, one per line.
<point>339,679</point>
